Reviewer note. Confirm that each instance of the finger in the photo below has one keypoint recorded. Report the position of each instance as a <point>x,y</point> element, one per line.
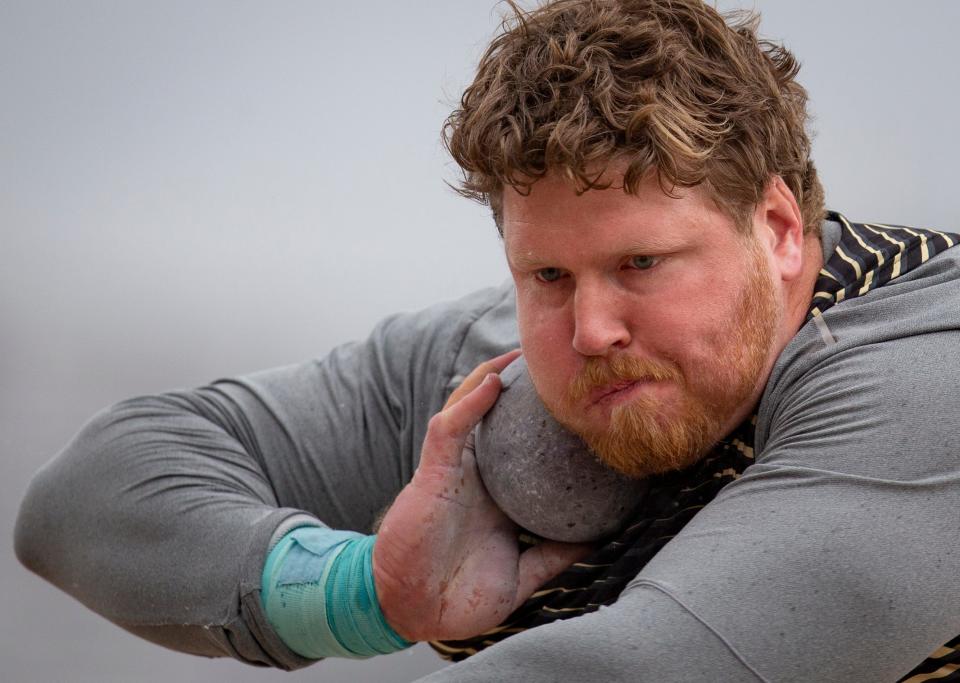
<point>447,431</point>
<point>472,381</point>
<point>542,562</point>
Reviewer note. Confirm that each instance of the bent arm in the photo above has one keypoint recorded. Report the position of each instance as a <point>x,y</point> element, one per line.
<point>160,513</point>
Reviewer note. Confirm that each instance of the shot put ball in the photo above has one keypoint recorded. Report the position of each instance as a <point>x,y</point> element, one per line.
<point>542,475</point>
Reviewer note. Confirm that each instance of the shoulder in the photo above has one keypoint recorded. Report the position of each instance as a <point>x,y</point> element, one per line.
<point>889,358</point>
<point>456,335</point>
<point>485,315</point>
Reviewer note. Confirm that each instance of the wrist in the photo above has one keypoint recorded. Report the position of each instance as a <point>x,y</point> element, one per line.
<point>318,593</point>
<point>396,596</point>
<point>353,607</point>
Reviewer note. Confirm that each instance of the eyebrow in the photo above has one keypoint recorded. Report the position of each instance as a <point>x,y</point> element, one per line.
<point>527,261</point>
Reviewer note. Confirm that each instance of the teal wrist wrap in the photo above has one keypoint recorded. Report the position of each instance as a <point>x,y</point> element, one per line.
<point>319,595</point>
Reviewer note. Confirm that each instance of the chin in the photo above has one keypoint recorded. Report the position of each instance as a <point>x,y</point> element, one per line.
<point>638,439</point>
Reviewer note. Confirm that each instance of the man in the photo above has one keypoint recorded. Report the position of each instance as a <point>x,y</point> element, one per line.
<point>785,379</point>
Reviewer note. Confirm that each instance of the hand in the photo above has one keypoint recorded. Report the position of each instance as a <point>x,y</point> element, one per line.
<point>446,562</point>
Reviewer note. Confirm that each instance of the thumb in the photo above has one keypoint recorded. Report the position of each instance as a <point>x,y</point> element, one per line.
<point>473,380</point>
<point>447,430</point>
<point>544,561</point>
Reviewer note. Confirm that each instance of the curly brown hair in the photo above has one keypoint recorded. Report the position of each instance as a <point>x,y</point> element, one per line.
<point>670,86</point>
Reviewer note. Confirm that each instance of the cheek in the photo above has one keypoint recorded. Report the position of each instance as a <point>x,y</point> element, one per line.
<point>691,328</point>
<point>546,338</point>
<point>540,332</point>
<point>715,329</point>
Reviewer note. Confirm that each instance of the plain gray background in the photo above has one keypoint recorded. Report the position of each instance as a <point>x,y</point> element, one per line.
<point>191,190</point>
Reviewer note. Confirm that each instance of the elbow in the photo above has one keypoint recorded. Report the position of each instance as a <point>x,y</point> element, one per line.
<point>59,501</point>
<point>28,533</point>
<point>35,531</point>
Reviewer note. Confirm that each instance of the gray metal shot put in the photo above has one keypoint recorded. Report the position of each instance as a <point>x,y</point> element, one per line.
<point>542,475</point>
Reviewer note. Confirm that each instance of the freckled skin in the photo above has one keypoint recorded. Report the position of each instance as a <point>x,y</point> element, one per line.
<point>655,277</point>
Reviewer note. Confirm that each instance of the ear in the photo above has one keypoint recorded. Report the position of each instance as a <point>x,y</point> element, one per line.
<point>778,225</point>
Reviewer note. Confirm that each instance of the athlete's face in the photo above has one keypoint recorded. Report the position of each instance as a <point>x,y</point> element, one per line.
<point>648,323</point>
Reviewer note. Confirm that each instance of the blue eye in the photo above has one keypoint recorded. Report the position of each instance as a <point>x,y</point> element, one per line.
<point>549,274</point>
<point>643,262</point>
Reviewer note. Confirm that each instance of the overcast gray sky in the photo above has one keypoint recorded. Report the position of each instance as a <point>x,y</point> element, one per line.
<point>190,190</point>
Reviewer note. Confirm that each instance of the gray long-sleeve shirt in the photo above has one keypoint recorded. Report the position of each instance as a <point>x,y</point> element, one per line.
<point>159,513</point>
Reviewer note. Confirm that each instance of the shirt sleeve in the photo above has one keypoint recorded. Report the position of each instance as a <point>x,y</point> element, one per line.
<point>833,558</point>
<point>160,512</point>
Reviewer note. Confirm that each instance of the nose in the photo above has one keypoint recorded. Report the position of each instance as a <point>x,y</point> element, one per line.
<point>599,321</point>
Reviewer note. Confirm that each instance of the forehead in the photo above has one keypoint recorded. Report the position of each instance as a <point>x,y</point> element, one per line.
<point>553,213</point>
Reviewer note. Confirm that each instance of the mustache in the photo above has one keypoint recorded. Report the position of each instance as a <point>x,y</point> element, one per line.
<point>602,372</point>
